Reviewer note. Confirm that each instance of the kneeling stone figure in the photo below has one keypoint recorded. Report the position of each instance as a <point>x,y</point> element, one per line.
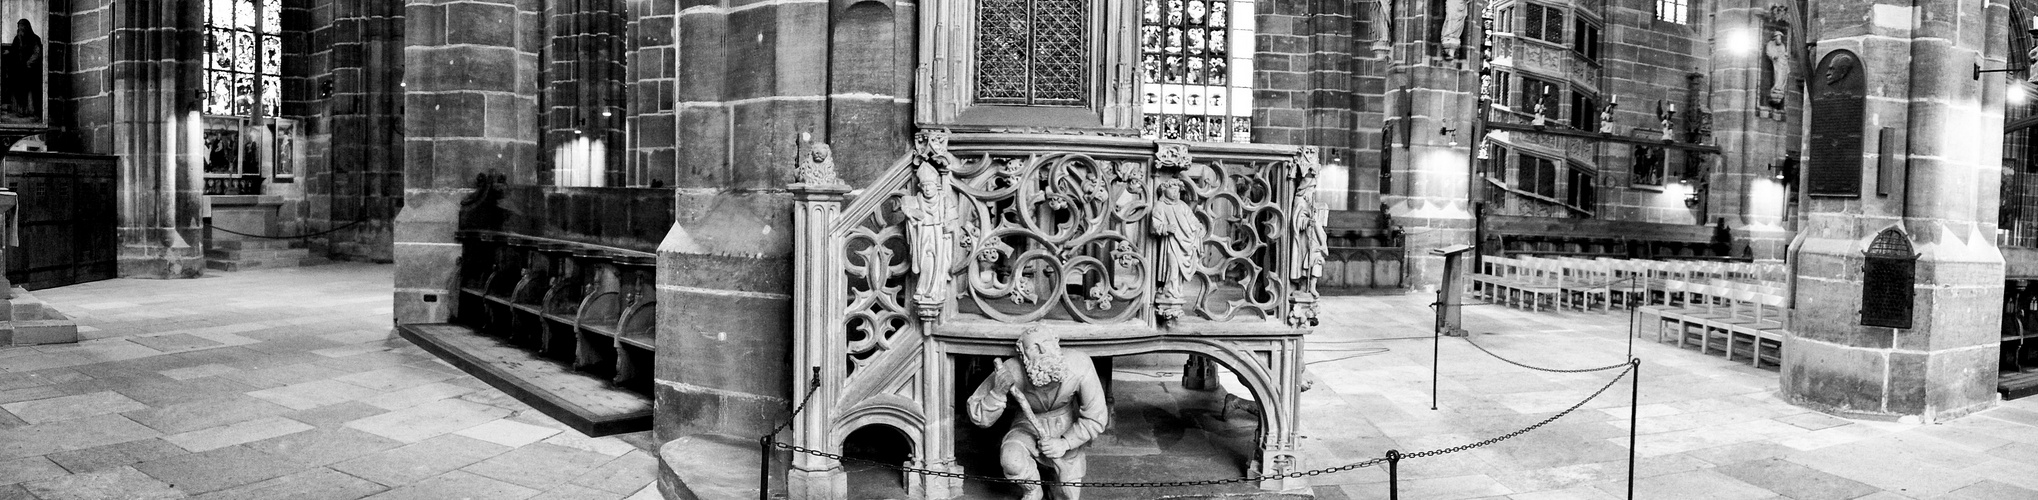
<point>1061,408</point>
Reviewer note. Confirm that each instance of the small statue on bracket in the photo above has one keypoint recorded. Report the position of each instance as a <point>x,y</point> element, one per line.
<point>1062,407</point>
<point>931,227</point>
<point>1665,111</point>
<point>1182,233</point>
<point>1606,115</point>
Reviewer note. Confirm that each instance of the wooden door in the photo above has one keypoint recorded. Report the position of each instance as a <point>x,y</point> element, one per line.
<point>67,219</point>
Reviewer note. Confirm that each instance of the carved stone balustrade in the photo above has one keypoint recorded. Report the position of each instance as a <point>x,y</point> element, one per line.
<point>1122,245</point>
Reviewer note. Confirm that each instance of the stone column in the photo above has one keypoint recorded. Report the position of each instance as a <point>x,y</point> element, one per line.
<point>154,73</point>
<point>469,108</point>
<point>1752,133</point>
<point>1428,91</point>
<point>817,276</point>
<point>1917,59</point>
<point>361,175</point>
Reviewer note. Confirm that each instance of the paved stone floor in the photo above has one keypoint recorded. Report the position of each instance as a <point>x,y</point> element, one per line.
<point>288,383</point>
<point>285,383</point>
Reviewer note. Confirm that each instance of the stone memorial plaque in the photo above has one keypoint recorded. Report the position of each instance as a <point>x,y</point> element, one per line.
<point>1887,281</point>
<point>1838,111</point>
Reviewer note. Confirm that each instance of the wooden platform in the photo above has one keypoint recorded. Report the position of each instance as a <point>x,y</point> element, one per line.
<point>588,404</point>
<point>2015,385</point>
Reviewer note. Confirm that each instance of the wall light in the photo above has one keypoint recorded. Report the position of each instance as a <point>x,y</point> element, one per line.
<point>1742,42</point>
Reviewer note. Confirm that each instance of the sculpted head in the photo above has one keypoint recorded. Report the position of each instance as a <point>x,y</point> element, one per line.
<point>1171,189</point>
<point>930,180</point>
<point>1040,351</point>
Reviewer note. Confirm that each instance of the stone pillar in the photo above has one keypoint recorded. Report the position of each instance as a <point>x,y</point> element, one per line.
<point>1428,91</point>
<point>155,73</point>
<point>469,108</point>
<point>816,274</point>
<point>1752,131</point>
<point>360,173</point>
<point>1946,132</point>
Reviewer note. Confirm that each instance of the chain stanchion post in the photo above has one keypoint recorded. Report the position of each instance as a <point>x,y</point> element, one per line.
<point>1436,355</point>
<point>1634,422</point>
<point>1393,475</point>
<point>764,466</point>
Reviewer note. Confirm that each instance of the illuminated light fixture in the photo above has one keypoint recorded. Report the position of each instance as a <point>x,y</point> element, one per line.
<point>1743,42</point>
<point>1449,131</point>
<point>2018,94</point>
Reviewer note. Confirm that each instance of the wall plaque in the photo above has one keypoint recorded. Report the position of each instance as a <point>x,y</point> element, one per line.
<point>23,70</point>
<point>1888,279</point>
<point>1838,111</point>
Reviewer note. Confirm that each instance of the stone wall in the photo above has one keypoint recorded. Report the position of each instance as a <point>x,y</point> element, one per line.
<point>355,136</point>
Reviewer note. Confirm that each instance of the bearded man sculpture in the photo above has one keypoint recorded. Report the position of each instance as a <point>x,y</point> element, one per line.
<point>1061,407</point>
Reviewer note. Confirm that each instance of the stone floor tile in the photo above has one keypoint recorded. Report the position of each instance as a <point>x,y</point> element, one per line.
<point>1578,493</point>
<point>205,370</point>
<point>28,469</point>
<point>415,462</point>
<point>66,435</point>
<point>458,484</point>
<point>575,492</point>
<point>119,483</point>
<point>1694,485</point>
<point>625,474</point>
<point>650,492</point>
<point>1989,490</point>
<point>539,466</point>
<point>70,407</point>
<point>207,412</point>
<point>1795,481</point>
<point>508,432</point>
<point>289,372</point>
<point>324,446</point>
<point>314,394</point>
<point>15,492</point>
<point>414,396</point>
<point>335,415</point>
<point>212,438</point>
<point>605,446</point>
<point>29,394</point>
<point>395,378</point>
<point>315,484</point>
<point>175,342</point>
<point>424,421</point>
<point>360,336</point>
<point>9,421</point>
<point>115,455</point>
<point>219,469</point>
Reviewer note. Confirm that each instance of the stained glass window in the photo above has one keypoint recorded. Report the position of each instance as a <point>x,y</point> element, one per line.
<point>1196,62</point>
<point>244,57</point>
<point>1672,10</point>
<point>1033,52</point>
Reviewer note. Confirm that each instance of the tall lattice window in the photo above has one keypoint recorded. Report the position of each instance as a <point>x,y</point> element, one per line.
<point>1675,11</point>
<point>244,60</point>
<point>1196,70</point>
<point>1033,52</point>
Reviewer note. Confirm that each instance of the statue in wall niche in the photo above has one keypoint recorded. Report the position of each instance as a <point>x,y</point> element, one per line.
<point>1182,233</point>
<point>1061,408</point>
<point>1606,115</point>
<point>1455,13</point>
<point>931,224</point>
<point>1665,111</point>
<point>1777,53</point>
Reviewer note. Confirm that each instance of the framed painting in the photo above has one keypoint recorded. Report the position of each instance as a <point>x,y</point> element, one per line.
<point>24,67</point>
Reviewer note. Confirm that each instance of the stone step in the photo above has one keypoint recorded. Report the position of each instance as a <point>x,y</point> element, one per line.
<point>41,331</point>
<point>223,254</point>
<point>711,465</point>
<point>247,264</point>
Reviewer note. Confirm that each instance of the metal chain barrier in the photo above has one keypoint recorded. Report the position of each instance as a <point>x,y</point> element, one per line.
<point>1468,340</point>
<point>1392,456</point>
<point>1567,411</point>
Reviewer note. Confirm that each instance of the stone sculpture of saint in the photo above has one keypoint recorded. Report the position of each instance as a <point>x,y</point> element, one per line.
<point>1778,54</point>
<point>22,65</point>
<point>1606,117</point>
<point>1455,12</point>
<point>1061,408</point>
<point>1181,233</point>
<point>931,226</point>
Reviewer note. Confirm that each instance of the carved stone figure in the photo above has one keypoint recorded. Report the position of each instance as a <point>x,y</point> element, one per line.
<point>1606,117</point>
<point>1311,244</point>
<point>1778,54</point>
<point>816,164</point>
<point>1061,408</point>
<point>1542,110</point>
<point>22,62</point>
<point>1182,234</point>
<point>1455,12</point>
<point>931,226</point>
<point>1664,113</point>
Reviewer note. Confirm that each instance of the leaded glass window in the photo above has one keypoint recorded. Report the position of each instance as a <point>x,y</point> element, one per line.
<point>244,57</point>
<point>1196,70</point>
<point>1033,52</point>
<point>1675,11</point>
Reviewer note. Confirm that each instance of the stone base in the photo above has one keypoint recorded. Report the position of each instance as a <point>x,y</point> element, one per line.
<point>157,263</point>
<point>708,466</point>
<point>29,321</point>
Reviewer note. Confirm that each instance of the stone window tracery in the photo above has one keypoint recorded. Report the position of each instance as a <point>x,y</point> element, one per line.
<point>244,57</point>
<point>1196,70</point>
<point>1033,53</point>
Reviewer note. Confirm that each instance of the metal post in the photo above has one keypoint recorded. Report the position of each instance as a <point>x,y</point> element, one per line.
<point>765,445</point>
<point>1394,475</point>
<point>1436,354</point>
<point>1634,422</point>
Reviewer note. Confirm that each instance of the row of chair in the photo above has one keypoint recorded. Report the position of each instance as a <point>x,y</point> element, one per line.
<point>1564,282</point>
<point>1728,315</point>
